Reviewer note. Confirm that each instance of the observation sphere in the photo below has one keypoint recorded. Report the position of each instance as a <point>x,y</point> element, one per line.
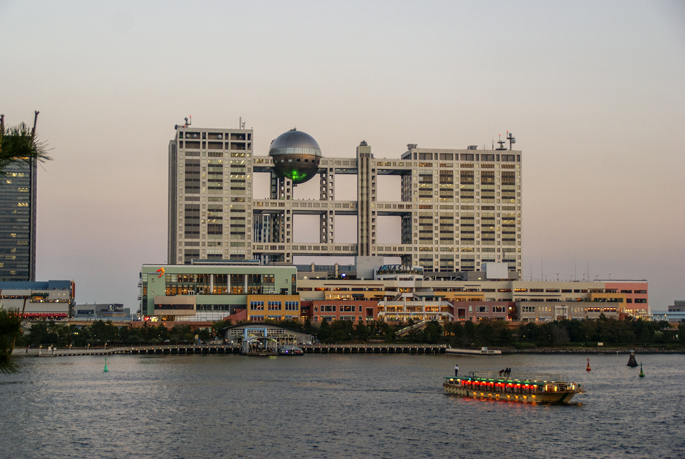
<point>296,155</point>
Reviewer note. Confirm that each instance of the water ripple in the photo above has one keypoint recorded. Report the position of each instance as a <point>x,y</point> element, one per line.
<point>330,406</point>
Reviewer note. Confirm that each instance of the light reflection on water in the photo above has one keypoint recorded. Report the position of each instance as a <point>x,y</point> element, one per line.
<point>333,406</point>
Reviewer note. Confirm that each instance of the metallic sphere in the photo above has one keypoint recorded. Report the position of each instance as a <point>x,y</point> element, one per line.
<point>296,155</point>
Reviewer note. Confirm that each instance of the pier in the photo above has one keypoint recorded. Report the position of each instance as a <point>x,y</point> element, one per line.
<point>226,349</point>
<point>424,349</point>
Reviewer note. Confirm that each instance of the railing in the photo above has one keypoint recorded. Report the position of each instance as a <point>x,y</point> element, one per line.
<point>535,377</point>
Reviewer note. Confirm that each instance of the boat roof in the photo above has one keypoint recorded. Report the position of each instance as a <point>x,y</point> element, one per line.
<point>538,378</point>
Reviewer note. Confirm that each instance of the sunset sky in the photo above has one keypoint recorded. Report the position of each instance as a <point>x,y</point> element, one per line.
<point>593,91</point>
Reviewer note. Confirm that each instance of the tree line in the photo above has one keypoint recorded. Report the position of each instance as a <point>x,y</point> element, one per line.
<point>105,332</point>
<point>497,333</point>
<point>493,333</point>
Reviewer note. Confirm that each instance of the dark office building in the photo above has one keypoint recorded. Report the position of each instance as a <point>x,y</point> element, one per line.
<point>18,223</point>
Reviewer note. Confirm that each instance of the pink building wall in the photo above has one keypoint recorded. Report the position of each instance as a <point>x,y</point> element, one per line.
<point>637,295</point>
<point>363,309</point>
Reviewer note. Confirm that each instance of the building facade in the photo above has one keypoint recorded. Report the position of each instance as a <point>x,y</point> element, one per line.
<point>18,223</point>
<point>236,333</point>
<point>107,311</point>
<point>483,298</point>
<point>460,223</point>
<point>458,208</point>
<point>210,194</point>
<point>210,292</point>
<point>677,306</point>
<point>355,310</point>
<point>50,300</point>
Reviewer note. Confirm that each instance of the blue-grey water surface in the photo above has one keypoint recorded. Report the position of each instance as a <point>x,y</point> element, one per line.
<point>332,406</point>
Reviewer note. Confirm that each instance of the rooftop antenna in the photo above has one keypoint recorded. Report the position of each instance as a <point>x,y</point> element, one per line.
<point>511,139</point>
<point>501,143</point>
<point>241,123</point>
<point>187,123</point>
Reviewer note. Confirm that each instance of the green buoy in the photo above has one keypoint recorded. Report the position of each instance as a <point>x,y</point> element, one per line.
<point>642,373</point>
<point>106,370</point>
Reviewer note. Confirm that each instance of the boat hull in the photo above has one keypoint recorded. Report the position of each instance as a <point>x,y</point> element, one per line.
<point>529,397</point>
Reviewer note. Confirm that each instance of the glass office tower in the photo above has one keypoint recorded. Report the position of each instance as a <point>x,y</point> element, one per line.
<point>18,223</point>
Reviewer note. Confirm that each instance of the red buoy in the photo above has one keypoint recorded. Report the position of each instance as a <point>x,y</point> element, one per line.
<point>588,365</point>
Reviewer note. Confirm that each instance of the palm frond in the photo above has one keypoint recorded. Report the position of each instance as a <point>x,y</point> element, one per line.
<point>18,145</point>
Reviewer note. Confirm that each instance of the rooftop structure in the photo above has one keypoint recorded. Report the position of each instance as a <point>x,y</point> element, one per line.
<point>295,155</point>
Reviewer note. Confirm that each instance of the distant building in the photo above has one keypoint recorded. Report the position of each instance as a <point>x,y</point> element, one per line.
<point>528,311</point>
<point>634,295</point>
<point>416,307</point>
<point>457,208</point>
<point>475,297</point>
<point>51,300</point>
<point>107,311</point>
<point>18,223</point>
<point>677,306</point>
<point>475,311</point>
<point>208,291</point>
<point>675,313</point>
<point>460,246</point>
<point>355,310</point>
<point>210,195</point>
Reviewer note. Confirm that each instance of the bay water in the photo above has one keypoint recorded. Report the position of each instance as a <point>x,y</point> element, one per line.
<point>330,406</point>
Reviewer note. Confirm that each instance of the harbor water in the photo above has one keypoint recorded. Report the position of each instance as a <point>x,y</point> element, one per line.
<point>330,406</point>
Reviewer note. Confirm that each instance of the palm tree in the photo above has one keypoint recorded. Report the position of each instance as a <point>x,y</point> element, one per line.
<point>19,145</point>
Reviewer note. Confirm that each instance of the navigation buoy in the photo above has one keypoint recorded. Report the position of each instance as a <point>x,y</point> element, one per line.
<point>642,373</point>
<point>105,370</point>
<point>588,365</point>
<point>631,361</point>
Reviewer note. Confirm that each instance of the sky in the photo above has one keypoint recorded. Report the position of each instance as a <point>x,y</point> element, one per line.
<point>594,92</point>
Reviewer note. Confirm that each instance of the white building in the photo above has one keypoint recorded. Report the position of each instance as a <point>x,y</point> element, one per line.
<point>459,208</point>
<point>210,194</point>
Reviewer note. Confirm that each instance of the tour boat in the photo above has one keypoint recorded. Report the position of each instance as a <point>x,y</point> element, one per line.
<point>525,388</point>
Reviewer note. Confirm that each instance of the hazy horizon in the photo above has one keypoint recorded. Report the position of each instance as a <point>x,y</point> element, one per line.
<point>593,92</point>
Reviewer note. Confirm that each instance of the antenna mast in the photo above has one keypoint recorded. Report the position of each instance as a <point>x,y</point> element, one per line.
<point>511,139</point>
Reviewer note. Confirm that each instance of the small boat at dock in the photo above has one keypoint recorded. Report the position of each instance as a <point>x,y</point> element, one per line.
<point>524,388</point>
<point>290,350</point>
<point>481,351</point>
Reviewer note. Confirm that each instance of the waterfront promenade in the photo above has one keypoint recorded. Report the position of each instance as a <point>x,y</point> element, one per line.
<point>225,349</point>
